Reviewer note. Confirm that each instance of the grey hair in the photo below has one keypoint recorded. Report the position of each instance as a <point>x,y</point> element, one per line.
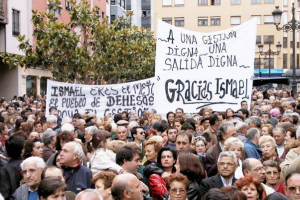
<point>121,127</point>
<point>38,161</point>
<point>90,193</point>
<point>228,154</point>
<point>118,189</point>
<point>79,121</point>
<point>133,117</point>
<point>251,133</point>
<point>52,119</point>
<point>91,130</point>
<point>222,129</point>
<point>239,125</point>
<point>256,120</point>
<point>48,135</point>
<point>77,150</point>
<point>66,119</point>
<point>282,130</point>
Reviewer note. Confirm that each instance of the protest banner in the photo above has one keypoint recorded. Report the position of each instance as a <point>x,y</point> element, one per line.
<point>100,99</point>
<point>194,70</point>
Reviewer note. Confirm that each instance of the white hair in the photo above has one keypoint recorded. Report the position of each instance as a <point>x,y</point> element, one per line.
<point>132,124</point>
<point>228,154</point>
<point>239,125</point>
<point>77,149</point>
<point>52,119</point>
<point>66,119</point>
<point>91,130</point>
<point>68,127</point>
<point>38,161</point>
<point>89,193</point>
<point>79,121</point>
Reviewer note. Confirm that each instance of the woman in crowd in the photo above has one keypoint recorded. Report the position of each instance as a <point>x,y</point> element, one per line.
<point>189,165</point>
<point>63,138</point>
<point>52,188</point>
<point>38,127</point>
<point>33,148</point>
<point>151,149</point>
<point>267,145</point>
<point>234,193</point>
<point>3,135</point>
<point>178,187</point>
<point>200,145</point>
<point>272,172</point>
<point>235,145</point>
<point>290,134</point>
<point>216,194</point>
<point>228,114</point>
<point>266,129</point>
<point>34,135</point>
<point>171,118</point>
<point>251,187</point>
<point>89,132</point>
<point>103,182</point>
<point>103,159</point>
<point>49,140</point>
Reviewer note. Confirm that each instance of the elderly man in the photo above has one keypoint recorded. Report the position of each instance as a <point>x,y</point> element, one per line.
<point>78,177</point>
<point>126,186</point>
<point>80,126</point>
<point>49,140</point>
<point>52,123</point>
<point>122,134</point>
<point>227,164</point>
<point>32,169</point>
<point>292,183</point>
<point>251,145</point>
<point>89,194</point>
<point>279,136</point>
<point>255,122</point>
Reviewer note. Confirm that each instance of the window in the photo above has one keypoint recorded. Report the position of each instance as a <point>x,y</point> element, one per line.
<point>202,2</point>
<point>291,40</point>
<point>215,21</point>
<point>284,61</point>
<point>268,38</point>
<point>215,2</point>
<point>179,2</point>
<point>31,85</point>
<point>235,20</point>
<point>43,86</point>
<point>268,1</point>
<point>103,14</point>
<point>113,2</point>
<point>285,41</point>
<point>268,19</point>
<point>256,63</point>
<point>167,20</point>
<point>257,17</point>
<point>179,21</point>
<point>291,61</point>
<point>16,22</point>
<point>112,18</point>
<point>256,1</point>
<point>285,3</point>
<point>258,39</point>
<point>68,5</point>
<point>268,61</point>
<point>235,2</point>
<point>202,21</point>
<point>167,2</point>
<point>297,64</point>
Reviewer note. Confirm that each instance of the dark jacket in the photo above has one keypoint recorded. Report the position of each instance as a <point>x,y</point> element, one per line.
<point>10,177</point>
<point>194,192</point>
<point>47,152</point>
<point>78,178</point>
<point>252,150</point>
<point>211,159</point>
<point>212,182</point>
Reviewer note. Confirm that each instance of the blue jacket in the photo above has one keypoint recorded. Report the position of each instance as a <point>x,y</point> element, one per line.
<point>252,150</point>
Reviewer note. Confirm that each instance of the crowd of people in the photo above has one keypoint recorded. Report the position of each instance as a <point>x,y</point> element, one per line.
<point>246,154</point>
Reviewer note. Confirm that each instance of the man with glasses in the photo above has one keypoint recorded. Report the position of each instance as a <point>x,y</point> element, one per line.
<point>138,135</point>
<point>32,168</point>
<point>227,164</point>
<point>255,168</point>
<point>292,188</point>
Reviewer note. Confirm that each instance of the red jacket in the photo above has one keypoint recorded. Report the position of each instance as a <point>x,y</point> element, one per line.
<point>157,187</point>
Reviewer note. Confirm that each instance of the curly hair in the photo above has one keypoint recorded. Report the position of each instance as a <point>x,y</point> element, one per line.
<point>246,181</point>
<point>28,147</point>
<point>107,178</point>
<point>178,177</point>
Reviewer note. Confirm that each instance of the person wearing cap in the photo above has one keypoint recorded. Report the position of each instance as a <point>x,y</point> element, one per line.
<point>49,140</point>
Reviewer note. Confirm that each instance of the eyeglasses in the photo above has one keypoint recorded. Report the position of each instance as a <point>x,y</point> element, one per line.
<point>224,163</point>
<point>31,171</point>
<point>274,173</point>
<point>180,191</point>
<point>293,188</point>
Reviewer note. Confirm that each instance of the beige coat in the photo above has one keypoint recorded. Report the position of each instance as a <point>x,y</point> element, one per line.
<point>292,161</point>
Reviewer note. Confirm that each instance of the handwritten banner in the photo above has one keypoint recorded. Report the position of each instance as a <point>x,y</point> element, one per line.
<point>100,99</point>
<point>194,69</point>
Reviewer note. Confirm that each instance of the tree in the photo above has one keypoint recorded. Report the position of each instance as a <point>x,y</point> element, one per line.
<point>116,52</point>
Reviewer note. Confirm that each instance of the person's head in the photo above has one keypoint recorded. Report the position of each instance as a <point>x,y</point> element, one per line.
<point>178,186</point>
<point>138,133</point>
<point>53,171</point>
<point>179,112</point>
<point>99,140</point>
<point>214,120</point>
<point>32,168</point>
<point>14,146</point>
<point>63,138</point>
<point>244,104</point>
<point>11,109</point>
<point>189,165</point>
<point>254,168</point>
<point>266,116</point>
<point>122,133</point>
<point>71,154</point>
<point>200,145</point>
<point>151,148</point>
<point>52,121</point>
<point>235,145</point>
<point>228,113</point>
<point>279,135</point>
<point>292,185</point>
<point>216,194</point>
<point>234,193</point>
<point>33,148</point>
<point>267,145</point>
<point>227,164</point>
<point>272,172</point>
<point>70,128</point>
<point>49,137</point>
<point>89,132</point>
<point>126,186</point>
<point>250,186</point>
<point>103,182</point>
<point>80,124</point>
<point>253,135</point>
<point>167,158</point>
<point>266,129</point>
<point>183,141</point>
<point>255,122</point>
<point>171,117</point>
<point>226,130</point>
<point>171,133</point>
<point>128,157</point>
<point>290,134</point>
<point>52,188</point>
<point>90,194</point>
<point>276,196</point>
<point>178,123</point>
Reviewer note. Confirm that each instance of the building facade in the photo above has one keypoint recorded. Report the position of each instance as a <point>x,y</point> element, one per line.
<point>216,15</point>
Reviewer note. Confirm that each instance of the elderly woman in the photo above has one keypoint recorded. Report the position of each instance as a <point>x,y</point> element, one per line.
<point>177,186</point>
<point>103,182</point>
<point>266,129</point>
<point>235,145</point>
<point>49,140</point>
<point>251,187</point>
<point>272,172</point>
<point>267,145</point>
<point>200,145</point>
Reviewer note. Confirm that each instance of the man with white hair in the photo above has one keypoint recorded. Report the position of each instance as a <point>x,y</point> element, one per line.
<point>70,128</point>
<point>49,140</point>
<point>78,177</point>
<point>32,168</point>
<point>80,126</point>
<point>52,123</point>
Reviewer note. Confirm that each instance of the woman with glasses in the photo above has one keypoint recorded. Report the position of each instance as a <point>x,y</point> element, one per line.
<point>272,173</point>
<point>177,186</point>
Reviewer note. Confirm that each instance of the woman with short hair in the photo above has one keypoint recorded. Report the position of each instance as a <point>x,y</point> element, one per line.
<point>251,187</point>
<point>33,148</point>
<point>52,188</point>
<point>266,129</point>
<point>272,172</point>
<point>178,187</point>
<point>103,182</point>
<point>267,145</point>
<point>151,148</point>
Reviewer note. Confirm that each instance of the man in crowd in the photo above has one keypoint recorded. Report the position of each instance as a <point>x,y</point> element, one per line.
<point>179,112</point>
<point>255,122</point>
<point>138,135</point>
<point>183,142</point>
<point>251,146</point>
<point>122,134</point>
<point>52,122</point>
<point>80,129</point>
<point>214,123</point>
<point>279,136</point>
<point>292,185</point>
<point>129,158</point>
<point>171,133</point>
<point>244,105</point>
<point>89,194</point>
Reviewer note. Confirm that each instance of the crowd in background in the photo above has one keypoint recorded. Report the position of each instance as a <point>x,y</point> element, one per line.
<point>249,153</point>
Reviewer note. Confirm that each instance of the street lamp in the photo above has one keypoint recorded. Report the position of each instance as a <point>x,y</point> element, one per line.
<point>269,53</point>
<point>292,25</point>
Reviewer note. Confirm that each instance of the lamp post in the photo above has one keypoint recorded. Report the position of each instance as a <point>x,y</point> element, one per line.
<point>269,53</point>
<point>292,25</point>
